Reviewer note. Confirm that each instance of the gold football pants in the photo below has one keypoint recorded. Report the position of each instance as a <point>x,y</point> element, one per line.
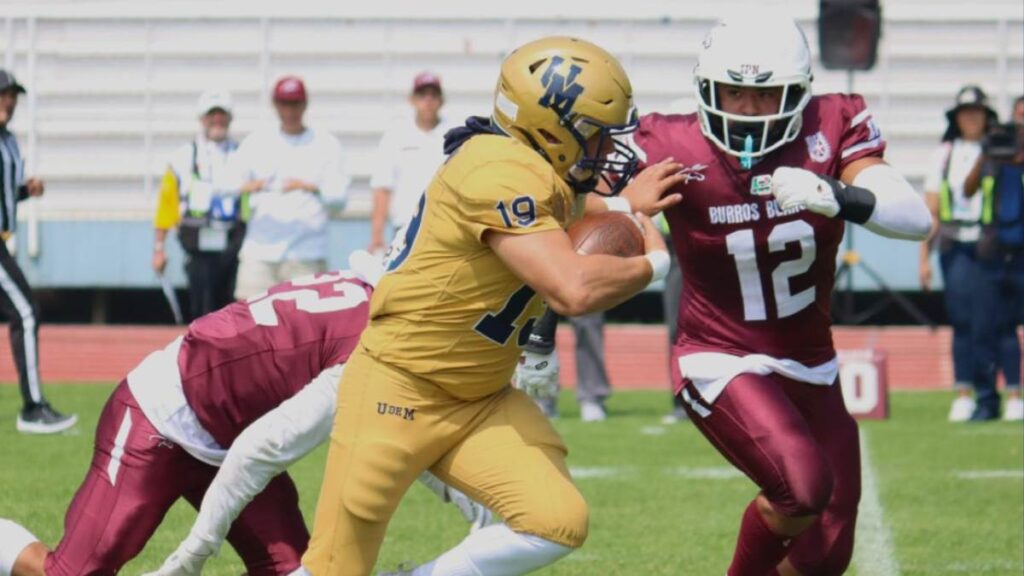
<point>391,426</point>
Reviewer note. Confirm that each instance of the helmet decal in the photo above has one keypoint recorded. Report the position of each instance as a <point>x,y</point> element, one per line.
<point>562,91</point>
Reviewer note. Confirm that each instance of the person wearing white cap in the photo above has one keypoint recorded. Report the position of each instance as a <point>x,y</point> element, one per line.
<point>408,155</point>
<point>207,216</point>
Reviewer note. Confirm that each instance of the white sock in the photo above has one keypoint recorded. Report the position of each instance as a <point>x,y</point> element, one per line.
<point>495,551</point>
<point>13,541</point>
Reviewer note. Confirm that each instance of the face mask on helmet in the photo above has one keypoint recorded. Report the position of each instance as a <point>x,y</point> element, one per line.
<point>751,137</point>
<point>607,158</point>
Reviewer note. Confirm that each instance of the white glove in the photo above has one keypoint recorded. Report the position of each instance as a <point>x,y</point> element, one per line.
<point>537,375</point>
<point>187,560</point>
<point>794,187</point>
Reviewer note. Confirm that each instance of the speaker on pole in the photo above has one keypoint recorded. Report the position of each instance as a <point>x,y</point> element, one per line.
<point>848,33</point>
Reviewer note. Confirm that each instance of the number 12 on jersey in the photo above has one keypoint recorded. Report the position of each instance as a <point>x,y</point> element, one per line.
<point>742,248</point>
<point>499,326</point>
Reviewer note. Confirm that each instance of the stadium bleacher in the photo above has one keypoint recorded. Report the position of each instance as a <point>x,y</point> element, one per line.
<point>112,87</point>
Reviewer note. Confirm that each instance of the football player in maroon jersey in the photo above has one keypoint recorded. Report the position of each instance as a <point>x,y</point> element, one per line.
<point>248,390</point>
<point>770,176</point>
<point>774,175</point>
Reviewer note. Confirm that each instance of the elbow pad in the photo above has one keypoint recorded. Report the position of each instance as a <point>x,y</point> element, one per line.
<point>899,211</point>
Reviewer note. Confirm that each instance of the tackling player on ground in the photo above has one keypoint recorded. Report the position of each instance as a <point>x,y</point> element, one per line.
<point>486,248</point>
<point>259,377</point>
<point>773,175</point>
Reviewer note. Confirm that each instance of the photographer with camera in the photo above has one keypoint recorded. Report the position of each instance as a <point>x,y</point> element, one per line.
<point>999,285</point>
<point>959,218</point>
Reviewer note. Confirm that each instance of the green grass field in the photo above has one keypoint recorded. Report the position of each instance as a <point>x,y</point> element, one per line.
<point>951,497</point>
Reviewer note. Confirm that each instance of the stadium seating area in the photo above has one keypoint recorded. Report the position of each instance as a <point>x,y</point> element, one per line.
<point>112,85</point>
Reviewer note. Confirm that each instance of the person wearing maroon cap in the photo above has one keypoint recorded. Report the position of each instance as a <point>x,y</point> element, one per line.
<point>292,174</point>
<point>408,155</point>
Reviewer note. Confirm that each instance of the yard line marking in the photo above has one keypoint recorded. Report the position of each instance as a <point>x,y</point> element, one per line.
<point>597,472</point>
<point>707,473</point>
<point>989,474</point>
<point>653,430</point>
<point>986,431</point>
<point>873,553</point>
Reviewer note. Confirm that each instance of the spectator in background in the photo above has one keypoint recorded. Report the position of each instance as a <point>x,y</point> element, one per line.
<point>408,155</point>
<point>210,229</point>
<point>16,303</point>
<point>998,176</point>
<point>957,234</point>
<point>291,174</point>
<point>592,385</point>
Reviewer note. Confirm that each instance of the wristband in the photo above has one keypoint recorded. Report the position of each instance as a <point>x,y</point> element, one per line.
<point>542,337</point>
<point>660,263</point>
<point>855,204</point>
<point>158,247</point>
<point>617,204</point>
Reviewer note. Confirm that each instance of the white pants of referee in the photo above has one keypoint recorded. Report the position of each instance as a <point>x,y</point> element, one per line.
<point>17,305</point>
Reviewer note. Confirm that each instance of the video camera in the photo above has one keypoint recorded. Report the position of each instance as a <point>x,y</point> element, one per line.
<point>1002,142</point>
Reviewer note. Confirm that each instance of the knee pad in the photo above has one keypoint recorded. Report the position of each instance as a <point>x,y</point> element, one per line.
<point>562,517</point>
<point>807,494</point>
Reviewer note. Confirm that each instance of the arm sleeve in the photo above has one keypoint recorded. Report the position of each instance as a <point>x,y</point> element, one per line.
<point>509,198</point>
<point>168,207</point>
<point>334,188</point>
<point>861,137</point>
<point>265,449</point>
<point>899,211</point>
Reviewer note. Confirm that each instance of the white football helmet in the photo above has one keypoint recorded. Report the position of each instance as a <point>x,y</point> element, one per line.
<point>754,49</point>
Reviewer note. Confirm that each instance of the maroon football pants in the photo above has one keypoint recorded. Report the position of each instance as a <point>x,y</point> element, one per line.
<point>798,443</point>
<point>135,478</point>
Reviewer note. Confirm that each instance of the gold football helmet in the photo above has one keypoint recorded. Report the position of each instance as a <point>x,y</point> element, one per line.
<point>560,95</point>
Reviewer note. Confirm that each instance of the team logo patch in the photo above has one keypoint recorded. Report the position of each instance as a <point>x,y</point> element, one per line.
<point>562,91</point>
<point>385,409</point>
<point>818,148</point>
<point>761,185</point>
<point>750,73</point>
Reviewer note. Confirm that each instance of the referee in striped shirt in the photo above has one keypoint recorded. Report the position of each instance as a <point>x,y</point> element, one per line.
<point>36,417</point>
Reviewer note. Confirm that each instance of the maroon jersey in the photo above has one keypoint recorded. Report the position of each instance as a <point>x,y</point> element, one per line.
<point>239,363</point>
<point>757,279</point>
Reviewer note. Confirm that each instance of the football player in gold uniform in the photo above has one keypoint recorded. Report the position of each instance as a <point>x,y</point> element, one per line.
<point>428,386</point>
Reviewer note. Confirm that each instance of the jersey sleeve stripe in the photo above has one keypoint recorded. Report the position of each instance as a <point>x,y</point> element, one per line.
<point>862,116</point>
<point>873,143</point>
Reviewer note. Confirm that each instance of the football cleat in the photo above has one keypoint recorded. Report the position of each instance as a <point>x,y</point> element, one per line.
<point>43,419</point>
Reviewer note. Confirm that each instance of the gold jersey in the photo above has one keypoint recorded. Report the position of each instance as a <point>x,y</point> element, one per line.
<point>448,310</point>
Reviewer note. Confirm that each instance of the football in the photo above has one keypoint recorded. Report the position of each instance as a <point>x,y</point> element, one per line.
<point>611,233</point>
